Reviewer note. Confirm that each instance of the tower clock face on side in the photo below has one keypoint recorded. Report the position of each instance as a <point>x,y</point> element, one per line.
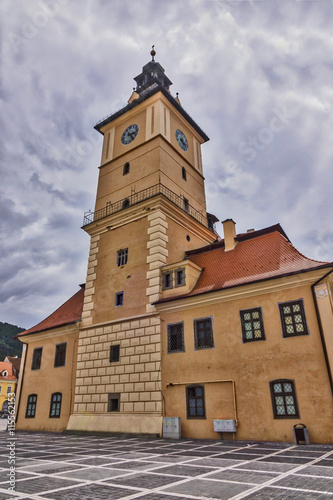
<point>181,139</point>
<point>129,134</point>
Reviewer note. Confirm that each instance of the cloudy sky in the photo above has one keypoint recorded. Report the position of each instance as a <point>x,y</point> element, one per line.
<point>255,75</point>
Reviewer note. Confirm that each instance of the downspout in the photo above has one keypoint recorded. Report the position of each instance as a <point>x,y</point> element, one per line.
<point>321,328</point>
<point>171,384</point>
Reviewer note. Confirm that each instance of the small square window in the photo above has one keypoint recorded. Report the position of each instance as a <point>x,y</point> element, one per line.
<point>114,353</point>
<point>122,257</point>
<point>293,319</point>
<point>126,168</point>
<point>37,358</point>
<point>167,280</point>
<point>176,337</point>
<point>203,333</point>
<point>119,299</point>
<point>180,277</point>
<point>60,354</point>
<point>252,325</point>
<point>114,402</point>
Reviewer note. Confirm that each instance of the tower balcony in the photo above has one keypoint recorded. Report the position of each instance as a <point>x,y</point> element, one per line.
<point>135,198</point>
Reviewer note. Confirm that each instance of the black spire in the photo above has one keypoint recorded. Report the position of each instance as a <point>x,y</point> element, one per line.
<point>153,74</point>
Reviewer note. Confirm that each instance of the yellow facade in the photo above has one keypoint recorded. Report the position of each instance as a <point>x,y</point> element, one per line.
<point>121,374</point>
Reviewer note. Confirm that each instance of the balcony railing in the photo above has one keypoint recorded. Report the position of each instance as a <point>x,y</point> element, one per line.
<point>145,194</point>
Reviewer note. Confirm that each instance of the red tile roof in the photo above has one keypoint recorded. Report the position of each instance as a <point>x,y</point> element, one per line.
<point>6,366</point>
<point>15,361</point>
<point>69,312</point>
<point>258,256</point>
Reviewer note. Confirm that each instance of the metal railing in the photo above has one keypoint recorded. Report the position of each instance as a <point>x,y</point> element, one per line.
<point>145,194</point>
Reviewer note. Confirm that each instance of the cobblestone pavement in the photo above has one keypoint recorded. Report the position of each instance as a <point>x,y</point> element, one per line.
<point>97,467</point>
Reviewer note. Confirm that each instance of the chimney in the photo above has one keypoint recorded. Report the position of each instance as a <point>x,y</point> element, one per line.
<point>229,230</point>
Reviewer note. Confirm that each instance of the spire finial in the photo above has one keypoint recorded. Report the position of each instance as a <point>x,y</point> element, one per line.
<point>153,53</point>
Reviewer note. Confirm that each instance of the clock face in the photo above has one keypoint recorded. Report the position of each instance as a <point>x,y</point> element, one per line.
<point>129,134</point>
<point>181,139</point>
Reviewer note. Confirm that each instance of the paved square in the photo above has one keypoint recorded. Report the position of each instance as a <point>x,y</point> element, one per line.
<point>98,467</point>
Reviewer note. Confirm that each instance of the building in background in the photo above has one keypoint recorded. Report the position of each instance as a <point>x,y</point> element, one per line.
<point>175,321</point>
<point>8,384</point>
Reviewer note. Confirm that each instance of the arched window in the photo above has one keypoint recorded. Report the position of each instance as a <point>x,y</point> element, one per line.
<point>55,406</point>
<point>195,401</point>
<point>126,204</point>
<point>30,411</point>
<point>284,400</point>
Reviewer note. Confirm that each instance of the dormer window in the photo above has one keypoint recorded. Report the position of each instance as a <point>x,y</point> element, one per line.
<point>179,277</point>
<point>167,280</point>
<point>4,373</point>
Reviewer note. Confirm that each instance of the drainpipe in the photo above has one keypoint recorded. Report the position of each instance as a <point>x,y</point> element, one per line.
<point>329,371</point>
<point>171,384</point>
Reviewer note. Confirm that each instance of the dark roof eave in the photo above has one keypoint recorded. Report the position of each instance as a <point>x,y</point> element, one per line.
<point>23,334</point>
<point>188,296</point>
<point>142,98</point>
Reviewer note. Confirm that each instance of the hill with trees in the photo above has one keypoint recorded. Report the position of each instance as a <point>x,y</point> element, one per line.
<point>9,346</point>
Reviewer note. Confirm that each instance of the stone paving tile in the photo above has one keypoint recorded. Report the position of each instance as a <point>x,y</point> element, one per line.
<point>215,462</point>
<point>145,480</point>
<point>316,470</point>
<point>286,460</point>
<point>237,456</point>
<point>90,492</point>
<point>283,494</point>
<point>39,484</point>
<point>203,489</point>
<point>242,476</point>
<point>306,483</point>
<point>94,461</point>
<point>266,466</point>
<point>92,473</point>
<point>158,496</point>
<point>326,462</point>
<point>185,470</point>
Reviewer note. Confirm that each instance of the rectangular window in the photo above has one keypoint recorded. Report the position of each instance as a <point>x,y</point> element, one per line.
<point>9,389</point>
<point>60,354</point>
<point>114,353</point>
<point>184,173</point>
<point>37,358</point>
<point>30,411</point>
<point>252,325</point>
<point>284,399</point>
<point>119,299</point>
<point>55,406</point>
<point>122,257</point>
<point>185,204</point>
<point>114,402</point>
<point>176,337</point>
<point>293,318</point>
<point>167,280</point>
<point>195,401</point>
<point>180,277</point>
<point>126,168</point>
<point>203,333</point>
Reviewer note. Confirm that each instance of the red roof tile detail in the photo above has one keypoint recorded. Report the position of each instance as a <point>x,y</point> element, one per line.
<point>69,312</point>
<point>8,367</point>
<point>15,361</point>
<point>258,258</point>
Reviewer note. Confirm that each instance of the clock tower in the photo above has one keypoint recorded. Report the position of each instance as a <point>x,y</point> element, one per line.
<point>150,209</point>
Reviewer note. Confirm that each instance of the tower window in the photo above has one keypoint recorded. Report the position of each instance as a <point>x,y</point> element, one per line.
<point>185,204</point>
<point>180,277</point>
<point>122,257</point>
<point>114,402</point>
<point>293,318</point>
<point>126,168</point>
<point>37,358</point>
<point>167,280</point>
<point>114,353</point>
<point>119,299</point>
<point>60,354</point>
<point>55,406</point>
<point>203,333</point>
<point>184,173</point>
<point>30,411</point>
<point>126,204</point>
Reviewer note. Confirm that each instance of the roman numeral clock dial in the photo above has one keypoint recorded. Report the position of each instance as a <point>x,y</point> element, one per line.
<point>129,134</point>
